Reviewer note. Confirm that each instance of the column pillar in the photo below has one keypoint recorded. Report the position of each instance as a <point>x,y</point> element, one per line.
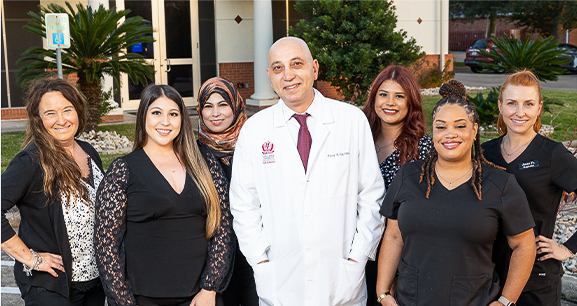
<point>263,95</point>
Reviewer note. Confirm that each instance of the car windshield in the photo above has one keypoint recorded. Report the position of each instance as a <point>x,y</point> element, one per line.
<point>478,44</point>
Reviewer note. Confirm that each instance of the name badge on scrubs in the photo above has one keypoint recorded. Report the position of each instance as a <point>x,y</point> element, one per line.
<point>528,165</point>
<point>268,153</point>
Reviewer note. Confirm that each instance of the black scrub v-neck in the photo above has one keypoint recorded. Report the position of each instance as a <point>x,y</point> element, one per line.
<point>543,170</point>
<point>448,238</point>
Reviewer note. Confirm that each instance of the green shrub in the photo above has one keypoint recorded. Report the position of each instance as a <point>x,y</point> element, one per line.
<point>537,56</point>
<point>353,41</point>
<point>433,77</point>
<point>488,109</point>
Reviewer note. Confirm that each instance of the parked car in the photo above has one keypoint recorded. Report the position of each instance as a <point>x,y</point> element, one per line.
<point>571,54</point>
<point>473,54</point>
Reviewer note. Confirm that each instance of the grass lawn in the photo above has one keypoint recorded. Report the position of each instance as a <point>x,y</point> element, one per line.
<point>562,118</point>
<point>11,143</point>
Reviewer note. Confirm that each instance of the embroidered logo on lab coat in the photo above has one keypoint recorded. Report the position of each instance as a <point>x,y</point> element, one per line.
<point>267,152</point>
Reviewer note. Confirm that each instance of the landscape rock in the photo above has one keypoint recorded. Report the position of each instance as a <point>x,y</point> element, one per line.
<point>107,142</point>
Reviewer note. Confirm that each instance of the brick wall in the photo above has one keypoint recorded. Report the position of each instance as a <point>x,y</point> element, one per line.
<point>19,113</point>
<point>329,91</point>
<point>572,37</point>
<point>462,33</point>
<point>480,24</point>
<point>239,73</point>
<point>13,113</point>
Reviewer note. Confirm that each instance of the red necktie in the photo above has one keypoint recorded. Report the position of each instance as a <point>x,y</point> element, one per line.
<point>304,141</point>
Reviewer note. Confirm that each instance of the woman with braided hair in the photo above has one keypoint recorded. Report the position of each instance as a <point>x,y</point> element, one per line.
<point>443,216</point>
<point>543,168</point>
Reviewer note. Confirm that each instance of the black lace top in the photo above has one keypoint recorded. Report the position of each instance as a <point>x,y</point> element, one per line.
<point>150,240</point>
<point>390,167</point>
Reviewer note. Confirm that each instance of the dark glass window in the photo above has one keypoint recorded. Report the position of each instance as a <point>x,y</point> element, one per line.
<point>207,39</point>
<point>17,41</point>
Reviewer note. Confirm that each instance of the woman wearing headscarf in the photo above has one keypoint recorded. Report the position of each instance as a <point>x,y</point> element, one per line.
<point>221,116</point>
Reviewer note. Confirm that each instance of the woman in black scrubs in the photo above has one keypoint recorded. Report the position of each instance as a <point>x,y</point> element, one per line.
<point>163,231</point>
<point>397,122</point>
<point>544,169</point>
<point>440,236</point>
<point>221,116</point>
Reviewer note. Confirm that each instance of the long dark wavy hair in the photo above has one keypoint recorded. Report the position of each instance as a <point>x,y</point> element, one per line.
<point>62,176</point>
<point>185,148</point>
<point>453,92</point>
<point>407,143</point>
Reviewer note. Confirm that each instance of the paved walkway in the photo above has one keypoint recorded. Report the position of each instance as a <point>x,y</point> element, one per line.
<point>11,295</point>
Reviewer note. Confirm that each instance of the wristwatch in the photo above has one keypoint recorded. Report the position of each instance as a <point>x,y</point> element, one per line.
<point>382,296</point>
<point>503,300</point>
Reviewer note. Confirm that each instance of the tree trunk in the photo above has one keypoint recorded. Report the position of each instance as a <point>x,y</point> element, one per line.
<point>493,23</point>
<point>558,32</point>
<point>93,94</point>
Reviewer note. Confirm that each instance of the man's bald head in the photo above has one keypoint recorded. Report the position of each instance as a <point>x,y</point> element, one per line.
<point>292,72</point>
<point>290,42</point>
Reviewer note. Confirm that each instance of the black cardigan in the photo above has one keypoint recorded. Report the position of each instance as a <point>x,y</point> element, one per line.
<point>42,226</point>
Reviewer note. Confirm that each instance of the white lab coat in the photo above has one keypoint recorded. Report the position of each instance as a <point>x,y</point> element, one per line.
<point>308,224</point>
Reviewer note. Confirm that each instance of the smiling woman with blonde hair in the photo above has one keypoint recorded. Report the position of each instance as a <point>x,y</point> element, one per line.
<point>53,182</point>
<point>544,168</point>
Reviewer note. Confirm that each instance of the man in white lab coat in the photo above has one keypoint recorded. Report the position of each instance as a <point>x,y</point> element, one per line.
<point>307,222</point>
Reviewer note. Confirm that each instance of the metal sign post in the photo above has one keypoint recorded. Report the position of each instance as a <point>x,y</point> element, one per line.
<point>58,36</point>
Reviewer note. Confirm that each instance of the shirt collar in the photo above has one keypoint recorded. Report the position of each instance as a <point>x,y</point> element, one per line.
<point>313,110</point>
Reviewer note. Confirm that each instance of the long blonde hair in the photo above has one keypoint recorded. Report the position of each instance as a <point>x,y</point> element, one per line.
<point>62,176</point>
<point>521,78</point>
<point>185,148</point>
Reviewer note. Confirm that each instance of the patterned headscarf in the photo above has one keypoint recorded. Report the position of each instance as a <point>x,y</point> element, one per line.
<point>222,144</point>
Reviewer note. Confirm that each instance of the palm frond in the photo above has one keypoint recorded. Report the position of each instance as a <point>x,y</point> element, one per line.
<point>511,54</point>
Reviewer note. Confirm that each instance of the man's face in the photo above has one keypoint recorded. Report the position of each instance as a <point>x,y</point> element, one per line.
<point>292,72</point>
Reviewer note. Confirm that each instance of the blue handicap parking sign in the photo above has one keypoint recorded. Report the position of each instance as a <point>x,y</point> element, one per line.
<point>58,38</point>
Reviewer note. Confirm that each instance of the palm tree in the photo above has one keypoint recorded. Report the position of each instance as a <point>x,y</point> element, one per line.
<point>98,47</point>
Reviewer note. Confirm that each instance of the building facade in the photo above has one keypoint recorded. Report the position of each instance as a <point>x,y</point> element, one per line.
<point>199,39</point>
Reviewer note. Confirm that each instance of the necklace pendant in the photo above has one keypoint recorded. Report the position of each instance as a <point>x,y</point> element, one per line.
<point>450,184</point>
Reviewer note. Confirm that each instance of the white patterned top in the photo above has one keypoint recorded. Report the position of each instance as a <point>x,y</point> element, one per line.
<point>79,219</point>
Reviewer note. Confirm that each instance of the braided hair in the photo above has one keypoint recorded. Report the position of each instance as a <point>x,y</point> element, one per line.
<point>453,92</point>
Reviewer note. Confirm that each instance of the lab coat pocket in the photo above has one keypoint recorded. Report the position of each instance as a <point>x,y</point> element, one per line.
<point>351,285</point>
<point>338,177</point>
<point>264,279</point>
<point>407,285</point>
<point>470,290</point>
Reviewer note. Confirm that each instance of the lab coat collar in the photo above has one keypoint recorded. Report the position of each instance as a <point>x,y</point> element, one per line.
<point>317,109</point>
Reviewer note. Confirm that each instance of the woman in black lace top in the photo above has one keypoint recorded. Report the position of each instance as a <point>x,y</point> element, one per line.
<point>163,232</point>
<point>397,122</point>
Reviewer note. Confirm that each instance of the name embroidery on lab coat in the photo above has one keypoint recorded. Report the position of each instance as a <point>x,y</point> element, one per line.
<point>530,164</point>
<point>267,152</point>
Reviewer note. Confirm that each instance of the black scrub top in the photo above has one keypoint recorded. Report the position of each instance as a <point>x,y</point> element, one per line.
<point>543,171</point>
<point>448,238</point>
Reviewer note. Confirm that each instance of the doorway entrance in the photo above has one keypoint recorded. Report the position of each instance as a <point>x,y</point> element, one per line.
<point>175,52</point>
